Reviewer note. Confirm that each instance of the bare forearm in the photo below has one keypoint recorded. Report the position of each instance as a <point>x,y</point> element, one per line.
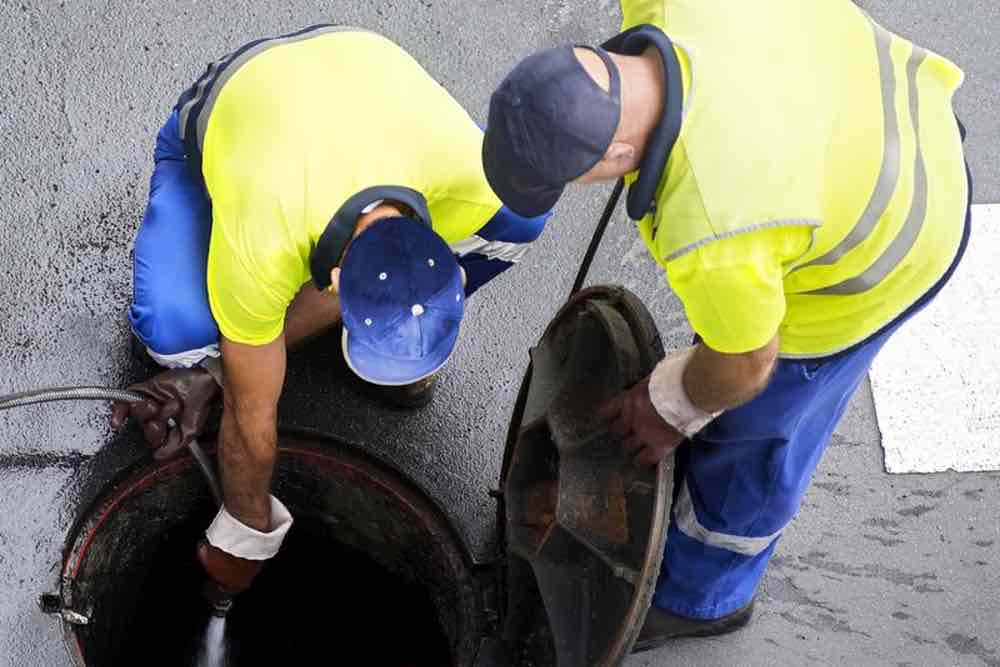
<point>715,381</point>
<point>247,454</point>
<point>310,313</point>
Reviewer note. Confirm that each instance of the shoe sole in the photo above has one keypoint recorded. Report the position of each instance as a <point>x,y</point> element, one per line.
<point>401,402</point>
<point>725,628</point>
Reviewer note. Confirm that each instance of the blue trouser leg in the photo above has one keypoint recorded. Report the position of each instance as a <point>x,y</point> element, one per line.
<point>170,313</point>
<point>741,481</point>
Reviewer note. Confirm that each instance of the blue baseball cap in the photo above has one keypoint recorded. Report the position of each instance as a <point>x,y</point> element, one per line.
<point>402,301</point>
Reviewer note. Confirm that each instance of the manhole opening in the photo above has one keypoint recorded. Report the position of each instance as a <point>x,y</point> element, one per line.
<point>317,598</point>
<point>369,574</point>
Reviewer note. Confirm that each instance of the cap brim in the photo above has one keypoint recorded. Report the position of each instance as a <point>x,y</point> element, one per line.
<point>376,368</point>
<point>523,196</point>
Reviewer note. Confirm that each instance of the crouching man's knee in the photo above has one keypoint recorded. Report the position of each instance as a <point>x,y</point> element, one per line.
<point>177,330</point>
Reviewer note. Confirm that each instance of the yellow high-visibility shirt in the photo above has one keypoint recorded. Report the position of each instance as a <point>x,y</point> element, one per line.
<point>289,129</point>
<point>817,188</point>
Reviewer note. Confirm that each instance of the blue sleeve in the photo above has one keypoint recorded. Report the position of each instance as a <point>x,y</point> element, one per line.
<point>500,244</point>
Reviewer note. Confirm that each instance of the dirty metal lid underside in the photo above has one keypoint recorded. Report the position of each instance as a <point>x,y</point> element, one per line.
<point>584,529</point>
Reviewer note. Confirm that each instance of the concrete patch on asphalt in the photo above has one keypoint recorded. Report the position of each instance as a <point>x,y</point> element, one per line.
<point>936,383</point>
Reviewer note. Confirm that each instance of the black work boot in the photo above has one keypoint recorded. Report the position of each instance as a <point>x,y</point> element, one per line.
<point>662,626</point>
<point>408,396</point>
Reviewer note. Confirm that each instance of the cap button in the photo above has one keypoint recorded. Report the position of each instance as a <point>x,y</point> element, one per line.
<point>417,310</point>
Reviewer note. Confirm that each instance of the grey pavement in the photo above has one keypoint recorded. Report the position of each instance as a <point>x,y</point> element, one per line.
<point>876,570</point>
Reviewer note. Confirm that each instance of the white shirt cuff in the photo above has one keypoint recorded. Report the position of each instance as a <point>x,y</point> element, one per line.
<point>234,537</point>
<point>668,396</point>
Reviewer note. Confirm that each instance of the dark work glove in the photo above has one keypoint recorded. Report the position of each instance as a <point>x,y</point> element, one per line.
<point>644,433</point>
<point>231,573</point>
<point>183,395</point>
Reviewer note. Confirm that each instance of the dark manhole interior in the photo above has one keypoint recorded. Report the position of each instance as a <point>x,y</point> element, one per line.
<point>317,602</point>
<point>369,573</point>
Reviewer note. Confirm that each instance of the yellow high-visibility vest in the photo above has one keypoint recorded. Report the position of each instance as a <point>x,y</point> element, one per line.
<point>810,120</point>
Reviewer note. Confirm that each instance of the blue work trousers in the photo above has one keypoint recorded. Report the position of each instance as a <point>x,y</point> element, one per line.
<point>740,481</point>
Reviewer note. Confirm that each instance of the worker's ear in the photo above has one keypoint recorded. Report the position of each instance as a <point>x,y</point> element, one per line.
<point>335,279</point>
<point>621,157</point>
<point>618,160</point>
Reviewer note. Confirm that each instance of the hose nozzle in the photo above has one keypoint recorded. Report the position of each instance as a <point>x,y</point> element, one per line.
<point>219,598</point>
<point>221,608</point>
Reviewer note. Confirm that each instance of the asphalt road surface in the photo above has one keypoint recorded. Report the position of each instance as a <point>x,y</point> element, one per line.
<point>876,570</point>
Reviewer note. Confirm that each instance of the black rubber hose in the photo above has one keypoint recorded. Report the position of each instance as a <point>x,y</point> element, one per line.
<point>602,224</point>
<point>107,394</point>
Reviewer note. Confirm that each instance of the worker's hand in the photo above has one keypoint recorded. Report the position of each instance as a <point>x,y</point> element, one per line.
<point>182,395</point>
<point>231,573</point>
<point>644,433</point>
<point>234,552</point>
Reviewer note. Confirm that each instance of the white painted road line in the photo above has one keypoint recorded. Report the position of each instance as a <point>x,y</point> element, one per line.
<point>936,384</point>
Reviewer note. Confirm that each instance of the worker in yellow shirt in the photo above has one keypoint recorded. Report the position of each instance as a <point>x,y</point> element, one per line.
<point>798,172</point>
<point>303,180</point>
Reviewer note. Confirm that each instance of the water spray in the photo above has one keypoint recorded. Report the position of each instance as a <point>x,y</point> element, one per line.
<point>220,599</point>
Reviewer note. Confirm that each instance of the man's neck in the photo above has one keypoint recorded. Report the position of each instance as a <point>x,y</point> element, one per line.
<point>643,92</point>
<point>387,209</point>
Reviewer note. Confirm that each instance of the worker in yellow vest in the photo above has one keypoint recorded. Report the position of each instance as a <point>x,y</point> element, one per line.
<point>303,180</point>
<point>798,172</point>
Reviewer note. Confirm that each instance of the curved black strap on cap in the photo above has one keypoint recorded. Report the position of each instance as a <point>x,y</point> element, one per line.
<point>614,78</point>
<point>329,250</point>
<point>633,42</point>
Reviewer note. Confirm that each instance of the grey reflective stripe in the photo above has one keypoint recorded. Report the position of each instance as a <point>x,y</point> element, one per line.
<point>206,79</point>
<point>234,66</point>
<point>888,175</point>
<point>687,523</point>
<point>908,233</point>
<point>791,222</point>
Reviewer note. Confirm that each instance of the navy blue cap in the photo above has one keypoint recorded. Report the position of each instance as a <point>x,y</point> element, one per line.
<point>549,123</point>
<point>402,301</point>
